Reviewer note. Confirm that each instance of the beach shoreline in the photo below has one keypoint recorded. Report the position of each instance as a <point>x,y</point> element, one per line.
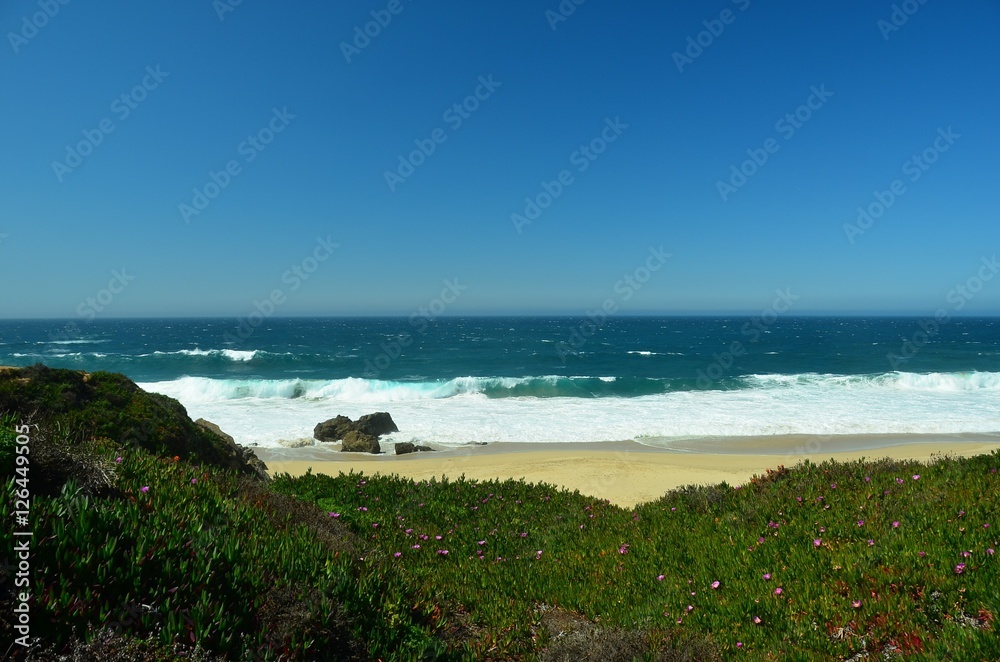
<point>625,472</point>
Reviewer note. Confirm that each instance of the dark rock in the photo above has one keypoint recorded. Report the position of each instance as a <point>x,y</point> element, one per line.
<point>405,447</point>
<point>333,429</point>
<point>252,463</point>
<point>376,424</point>
<point>358,442</point>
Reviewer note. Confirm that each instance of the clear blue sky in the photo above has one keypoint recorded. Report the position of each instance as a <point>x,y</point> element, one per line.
<point>656,185</point>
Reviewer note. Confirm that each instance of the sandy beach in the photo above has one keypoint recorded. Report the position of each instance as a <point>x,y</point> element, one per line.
<point>626,473</point>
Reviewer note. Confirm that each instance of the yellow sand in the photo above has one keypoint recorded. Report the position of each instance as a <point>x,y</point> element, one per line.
<point>625,477</point>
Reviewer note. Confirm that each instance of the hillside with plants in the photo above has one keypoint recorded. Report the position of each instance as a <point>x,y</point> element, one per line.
<point>153,542</point>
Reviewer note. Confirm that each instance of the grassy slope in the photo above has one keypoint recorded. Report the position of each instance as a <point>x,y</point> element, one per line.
<point>850,578</point>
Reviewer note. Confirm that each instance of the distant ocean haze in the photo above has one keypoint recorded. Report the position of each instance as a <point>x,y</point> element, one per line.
<point>462,380</point>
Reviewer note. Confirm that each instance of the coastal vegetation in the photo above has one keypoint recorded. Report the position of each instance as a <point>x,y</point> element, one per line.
<point>153,539</point>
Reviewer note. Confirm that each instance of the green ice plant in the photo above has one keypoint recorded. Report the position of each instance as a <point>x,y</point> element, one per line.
<point>835,559</point>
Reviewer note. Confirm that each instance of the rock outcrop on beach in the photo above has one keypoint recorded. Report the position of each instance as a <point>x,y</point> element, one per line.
<point>369,425</point>
<point>406,447</point>
<point>376,424</point>
<point>333,429</point>
<point>85,406</point>
<point>359,442</point>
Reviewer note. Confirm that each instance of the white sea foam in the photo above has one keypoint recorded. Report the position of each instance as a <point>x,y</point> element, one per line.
<point>458,411</point>
<point>231,354</point>
<point>72,342</point>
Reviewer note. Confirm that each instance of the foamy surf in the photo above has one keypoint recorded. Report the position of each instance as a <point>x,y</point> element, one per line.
<point>480,409</point>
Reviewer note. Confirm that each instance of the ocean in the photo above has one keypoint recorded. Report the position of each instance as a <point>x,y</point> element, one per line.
<point>668,381</point>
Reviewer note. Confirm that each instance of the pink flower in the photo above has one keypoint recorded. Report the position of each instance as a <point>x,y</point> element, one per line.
<point>817,542</point>
<point>623,549</point>
<point>481,542</point>
<point>960,568</point>
<point>715,584</point>
<point>739,644</point>
<point>921,554</point>
<point>144,489</point>
<point>690,608</point>
<point>660,578</point>
<point>443,552</point>
<point>868,479</point>
<point>118,460</point>
<point>756,620</point>
<point>895,525</point>
<point>871,543</point>
<point>767,576</point>
<point>524,535</point>
<point>398,554</point>
<point>899,481</point>
<point>916,476</point>
<point>416,547</point>
<point>856,604</point>
<point>966,554</point>
<point>861,522</point>
<point>194,481</point>
<point>990,551</point>
<point>778,591</point>
<point>833,486</point>
<point>334,515</point>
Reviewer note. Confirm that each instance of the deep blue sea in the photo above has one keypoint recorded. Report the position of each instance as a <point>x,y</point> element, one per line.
<point>452,381</point>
